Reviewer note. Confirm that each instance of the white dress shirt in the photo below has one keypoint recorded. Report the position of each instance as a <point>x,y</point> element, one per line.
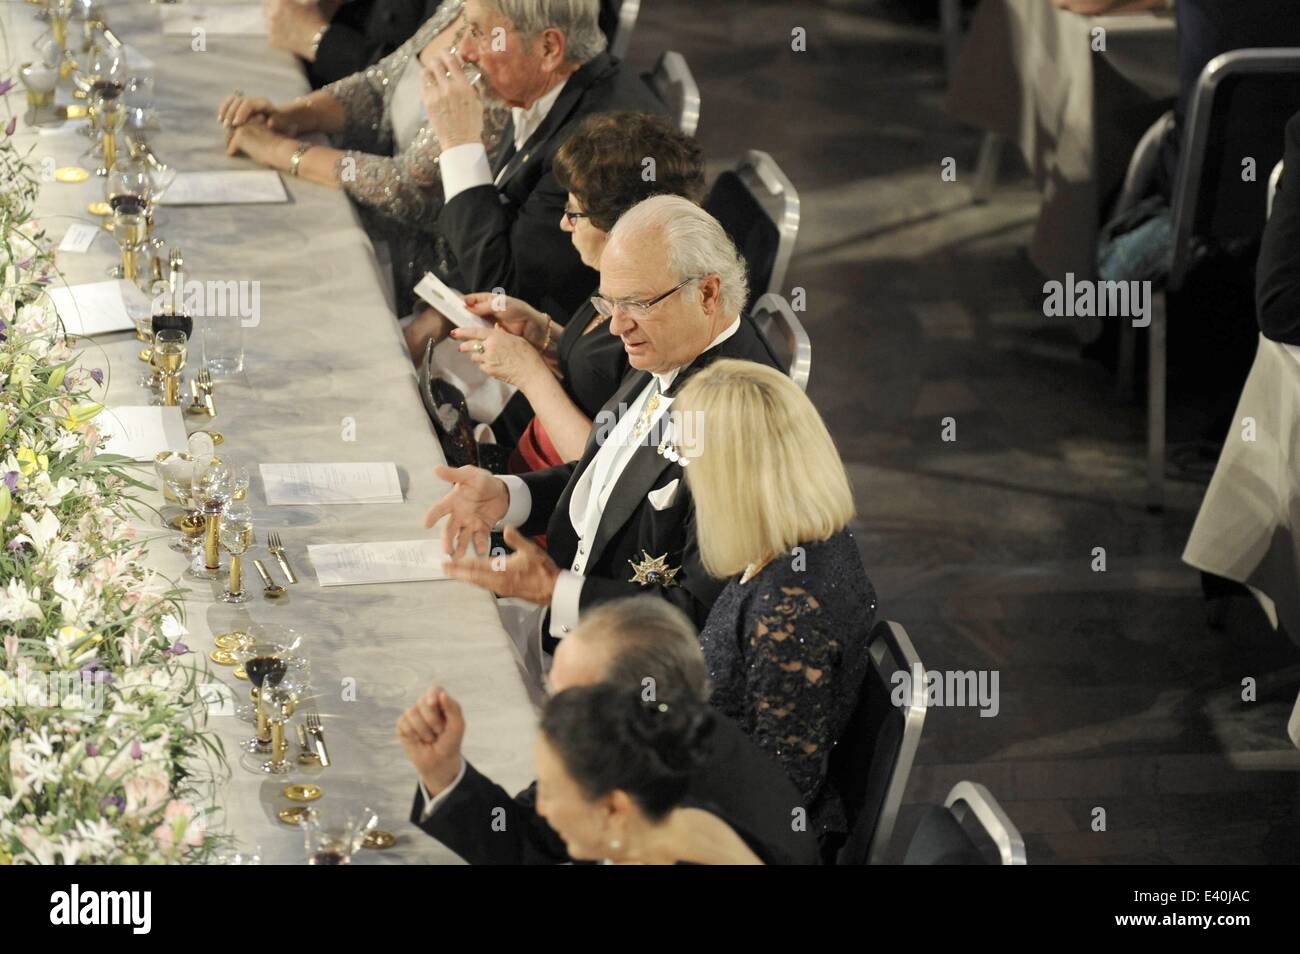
<point>593,490</point>
<point>433,802</point>
<point>467,166</point>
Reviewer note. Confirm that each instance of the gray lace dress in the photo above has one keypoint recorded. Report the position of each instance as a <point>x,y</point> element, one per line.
<point>390,166</point>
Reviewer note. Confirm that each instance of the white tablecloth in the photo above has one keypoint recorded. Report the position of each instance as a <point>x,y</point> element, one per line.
<point>1248,527</point>
<point>327,379</point>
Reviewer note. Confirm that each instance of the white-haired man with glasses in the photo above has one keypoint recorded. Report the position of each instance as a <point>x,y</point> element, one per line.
<point>546,60</point>
<point>619,521</point>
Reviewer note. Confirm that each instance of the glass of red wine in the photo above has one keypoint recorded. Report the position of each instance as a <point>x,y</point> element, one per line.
<point>264,662</point>
<point>334,833</point>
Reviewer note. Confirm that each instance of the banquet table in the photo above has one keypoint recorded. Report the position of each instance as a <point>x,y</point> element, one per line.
<point>326,380</point>
<point>1248,527</point>
<point>1027,72</point>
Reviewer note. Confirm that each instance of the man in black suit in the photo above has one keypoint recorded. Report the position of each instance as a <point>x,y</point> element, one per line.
<point>620,520</point>
<point>1277,274</point>
<point>642,643</point>
<point>499,227</point>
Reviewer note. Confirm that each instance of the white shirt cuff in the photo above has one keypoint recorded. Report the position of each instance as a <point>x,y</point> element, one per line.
<point>564,603</point>
<point>521,502</point>
<point>464,167</point>
<point>432,802</point>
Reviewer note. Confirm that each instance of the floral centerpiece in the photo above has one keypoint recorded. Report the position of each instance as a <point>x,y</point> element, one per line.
<point>104,754</point>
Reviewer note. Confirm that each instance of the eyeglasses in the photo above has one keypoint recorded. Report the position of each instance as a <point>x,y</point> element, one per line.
<point>574,216</point>
<point>636,310</point>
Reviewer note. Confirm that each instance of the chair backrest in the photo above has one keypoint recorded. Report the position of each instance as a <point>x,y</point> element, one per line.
<point>974,799</point>
<point>873,760</point>
<point>1239,111</point>
<point>672,82</point>
<point>1273,179</point>
<point>759,208</point>
<point>622,39</point>
<point>776,321</point>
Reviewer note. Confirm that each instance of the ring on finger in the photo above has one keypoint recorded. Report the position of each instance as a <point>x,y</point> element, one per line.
<point>478,347</point>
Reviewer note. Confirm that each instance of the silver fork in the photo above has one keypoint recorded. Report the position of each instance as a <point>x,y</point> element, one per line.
<point>318,736</point>
<point>277,550</point>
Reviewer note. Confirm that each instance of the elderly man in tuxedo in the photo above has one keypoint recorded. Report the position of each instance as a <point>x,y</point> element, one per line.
<point>641,643</point>
<point>619,521</point>
<point>499,227</point>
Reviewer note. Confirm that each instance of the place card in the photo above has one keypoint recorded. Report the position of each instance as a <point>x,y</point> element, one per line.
<point>142,433</point>
<point>242,19</point>
<point>250,187</point>
<point>397,561</point>
<point>79,237</point>
<point>319,484</point>
<point>99,308</point>
<point>448,301</point>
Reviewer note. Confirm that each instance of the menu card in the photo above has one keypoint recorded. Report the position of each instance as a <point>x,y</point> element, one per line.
<point>397,561</point>
<point>315,484</point>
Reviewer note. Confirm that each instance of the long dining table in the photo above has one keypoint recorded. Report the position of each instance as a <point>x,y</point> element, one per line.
<point>326,379</point>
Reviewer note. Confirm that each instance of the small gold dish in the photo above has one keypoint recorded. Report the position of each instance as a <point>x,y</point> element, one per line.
<point>379,840</point>
<point>239,673</point>
<point>231,641</point>
<point>303,792</point>
<point>294,815</point>
<point>71,174</point>
<point>222,657</point>
<point>75,110</point>
<point>99,208</point>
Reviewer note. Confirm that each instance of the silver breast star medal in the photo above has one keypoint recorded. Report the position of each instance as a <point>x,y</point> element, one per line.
<point>654,571</point>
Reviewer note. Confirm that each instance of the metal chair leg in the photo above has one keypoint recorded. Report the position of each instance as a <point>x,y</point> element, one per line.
<point>986,167</point>
<point>1156,404</point>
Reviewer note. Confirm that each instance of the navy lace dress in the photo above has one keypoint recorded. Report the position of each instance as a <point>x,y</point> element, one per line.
<point>787,655</point>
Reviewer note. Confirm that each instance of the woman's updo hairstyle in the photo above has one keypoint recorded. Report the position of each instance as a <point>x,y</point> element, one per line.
<point>610,739</point>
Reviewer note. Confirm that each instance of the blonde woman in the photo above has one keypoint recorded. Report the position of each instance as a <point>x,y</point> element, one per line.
<point>785,642</point>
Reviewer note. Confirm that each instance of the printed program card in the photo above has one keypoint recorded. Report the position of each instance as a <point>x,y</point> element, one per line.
<point>140,432</point>
<point>317,484</point>
<point>398,561</point>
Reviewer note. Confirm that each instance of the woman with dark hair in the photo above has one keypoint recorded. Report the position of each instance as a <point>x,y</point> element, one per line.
<point>613,774</point>
<point>566,371</point>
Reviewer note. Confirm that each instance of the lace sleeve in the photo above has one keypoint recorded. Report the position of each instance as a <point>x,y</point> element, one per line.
<point>362,97</point>
<point>407,187</point>
<point>790,662</point>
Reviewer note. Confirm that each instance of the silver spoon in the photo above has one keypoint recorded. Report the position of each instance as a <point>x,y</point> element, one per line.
<point>273,590</point>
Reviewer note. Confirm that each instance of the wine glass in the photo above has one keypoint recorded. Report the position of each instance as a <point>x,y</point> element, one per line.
<point>278,700</point>
<point>334,833</point>
<point>128,190</point>
<point>169,352</point>
<point>176,471</point>
<point>213,490</point>
<point>236,534</point>
<point>239,478</point>
<point>265,664</point>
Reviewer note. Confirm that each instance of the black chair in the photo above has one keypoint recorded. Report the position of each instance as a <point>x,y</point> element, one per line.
<point>623,26</point>
<point>943,838</point>
<point>1239,111</point>
<point>671,81</point>
<point>870,765</point>
<point>775,321</point>
<point>759,208</point>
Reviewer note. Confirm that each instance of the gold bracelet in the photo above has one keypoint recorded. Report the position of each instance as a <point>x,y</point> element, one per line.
<point>296,161</point>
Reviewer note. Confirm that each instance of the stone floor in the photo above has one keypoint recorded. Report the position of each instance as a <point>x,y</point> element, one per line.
<point>1114,692</point>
